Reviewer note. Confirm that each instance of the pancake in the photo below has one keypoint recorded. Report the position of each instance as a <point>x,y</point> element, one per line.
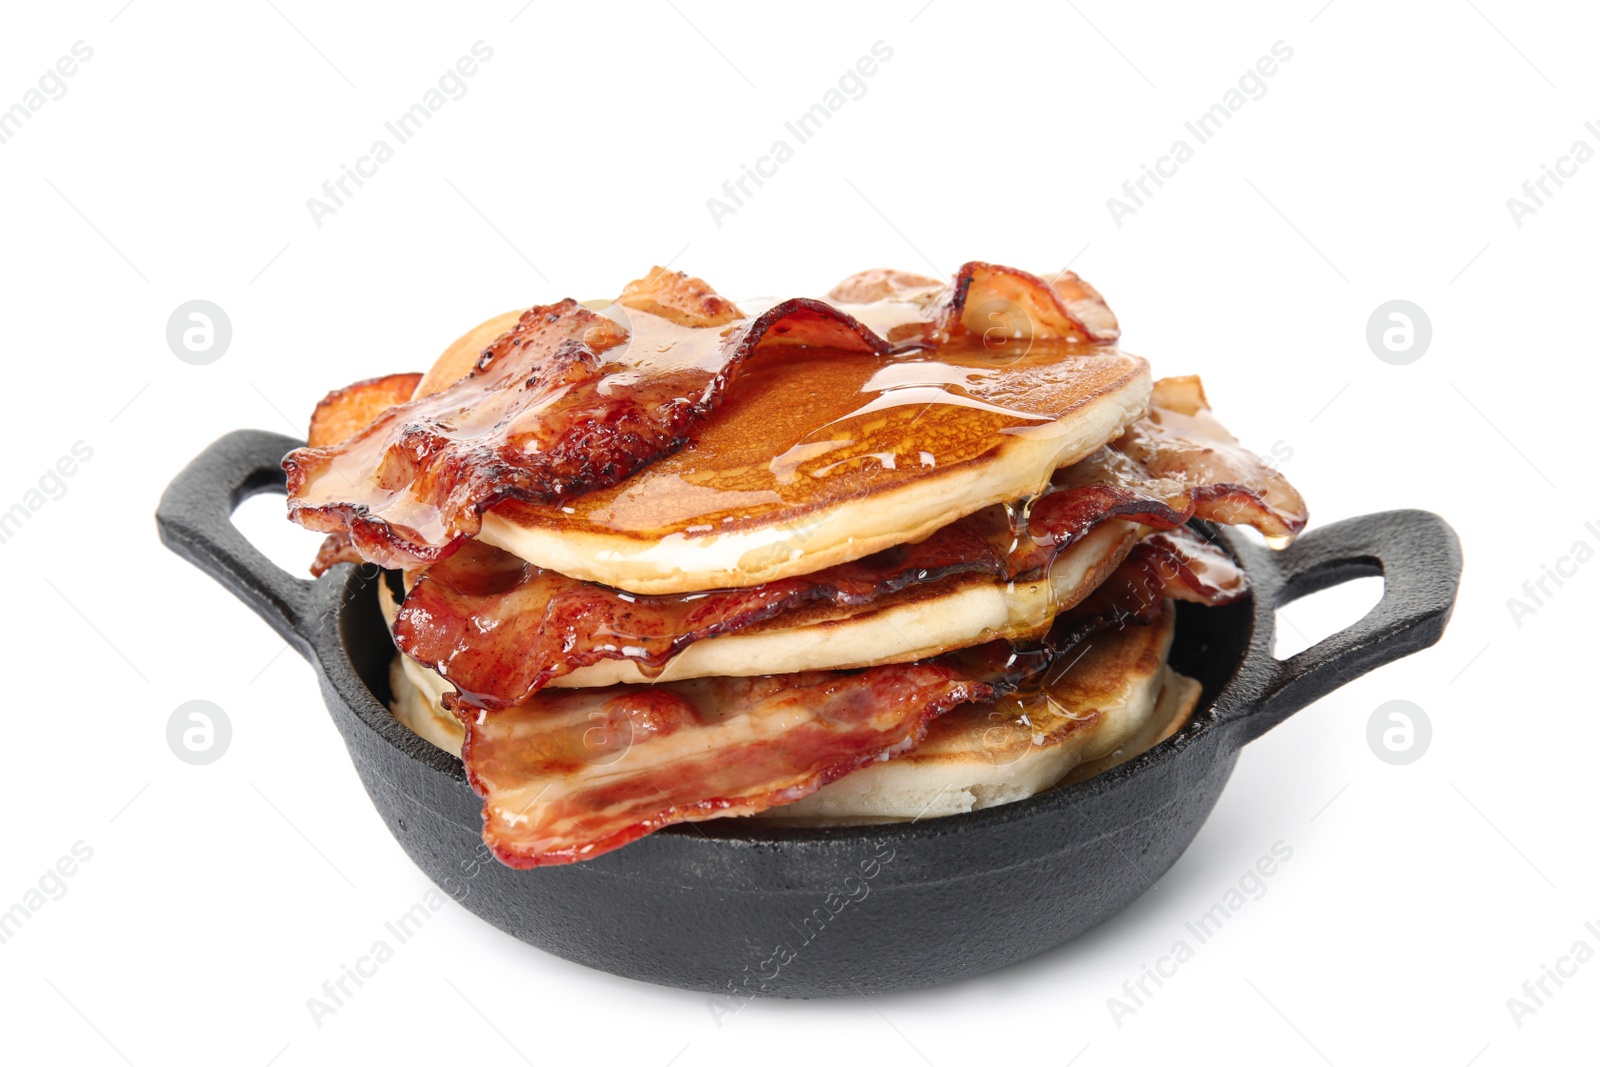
<point>415,693</point>
<point>818,458</point>
<point>911,626</point>
<point>1180,695</point>
<point>1117,699</point>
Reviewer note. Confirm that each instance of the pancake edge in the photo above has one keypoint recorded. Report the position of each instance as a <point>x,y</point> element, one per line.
<point>1018,468</point>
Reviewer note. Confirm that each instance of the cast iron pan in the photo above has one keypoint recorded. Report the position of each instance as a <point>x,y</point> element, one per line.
<point>738,907</point>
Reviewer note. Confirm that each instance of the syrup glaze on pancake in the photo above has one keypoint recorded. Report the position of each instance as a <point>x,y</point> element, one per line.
<point>575,773</point>
<point>570,403</point>
<point>500,629</point>
<point>816,432</point>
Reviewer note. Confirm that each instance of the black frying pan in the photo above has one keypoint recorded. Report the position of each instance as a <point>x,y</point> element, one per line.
<point>741,907</point>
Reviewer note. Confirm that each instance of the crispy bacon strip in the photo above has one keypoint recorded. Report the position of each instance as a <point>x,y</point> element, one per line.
<point>338,417</point>
<point>500,629</point>
<point>986,295</point>
<point>345,412</point>
<point>573,774</point>
<point>1177,463</point>
<point>571,401</point>
<point>1084,303</point>
<point>1183,442</point>
<point>678,299</point>
<point>1167,565</point>
<point>984,300</point>
<point>559,406</point>
<point>583,771</point>
<point>336,548</point>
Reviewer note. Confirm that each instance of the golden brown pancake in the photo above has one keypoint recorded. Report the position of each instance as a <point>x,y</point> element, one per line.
<point>1179,698</point>
<point>818,457</point>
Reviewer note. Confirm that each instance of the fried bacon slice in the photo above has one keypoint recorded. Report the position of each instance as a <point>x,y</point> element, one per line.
<point>338,417</point>
<point>559,406</point>
<point>583,771</point>
<point>336,548</point>
<point>997,304</point>
<point>1085,304</point>
<point>575,773</point>
<point>570,400</point>
<point>679,299</point>
<point>345,412</point>
<point>500,629</point>
<point>1182,441</point>
<point>1180,457</point>
<point>985,297</point>
<point>1166,565</point>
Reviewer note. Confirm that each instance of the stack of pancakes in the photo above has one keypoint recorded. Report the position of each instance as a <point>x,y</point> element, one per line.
<point>904,552</point>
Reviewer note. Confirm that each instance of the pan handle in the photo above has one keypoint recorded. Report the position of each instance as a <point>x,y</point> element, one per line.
<point>1419,557</point>
<point>195,519</point>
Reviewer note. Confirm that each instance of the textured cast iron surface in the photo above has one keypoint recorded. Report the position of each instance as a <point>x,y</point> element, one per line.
<point>737,904</point>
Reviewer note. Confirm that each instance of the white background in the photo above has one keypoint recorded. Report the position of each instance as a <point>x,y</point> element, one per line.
<point>1377,166</point>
